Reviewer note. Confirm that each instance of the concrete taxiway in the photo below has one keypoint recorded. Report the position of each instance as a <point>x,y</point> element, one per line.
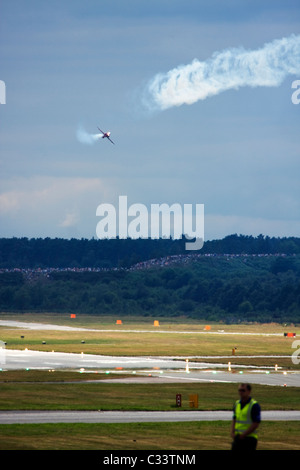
<point>157,369</point>
<point>27,417</point>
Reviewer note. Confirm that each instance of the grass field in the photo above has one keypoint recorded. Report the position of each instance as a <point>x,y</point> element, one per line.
<point>66,390</point>
<point>142,436</point>
<point>46,395</point>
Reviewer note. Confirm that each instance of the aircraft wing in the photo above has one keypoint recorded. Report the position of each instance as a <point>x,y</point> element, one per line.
<point>101,131</point>
<point>111,140</point>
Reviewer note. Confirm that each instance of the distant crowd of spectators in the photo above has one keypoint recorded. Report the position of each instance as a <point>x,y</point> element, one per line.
<point>155,262</point>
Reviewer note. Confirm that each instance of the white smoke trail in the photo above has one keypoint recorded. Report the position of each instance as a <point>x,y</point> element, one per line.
<point>86,138</point>
<point>229,69</point>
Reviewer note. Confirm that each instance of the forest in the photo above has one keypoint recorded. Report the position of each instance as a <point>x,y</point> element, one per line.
<point>236,279</point>
<point>108,253</point>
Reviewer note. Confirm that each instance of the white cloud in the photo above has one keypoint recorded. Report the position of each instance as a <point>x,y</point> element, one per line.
<point>71,220</point>
<point>48,206</point>
<point>9,202</point>
<point>230,69</point>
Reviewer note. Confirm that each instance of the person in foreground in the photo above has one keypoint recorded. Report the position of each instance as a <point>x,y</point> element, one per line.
<point>245,421</point>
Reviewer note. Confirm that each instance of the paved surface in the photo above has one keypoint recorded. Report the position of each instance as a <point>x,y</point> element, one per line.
<point>25,417</point>
<point>22,359</point>
<point>16,359</point>
<point>278,379</point>
<point>161,368</point>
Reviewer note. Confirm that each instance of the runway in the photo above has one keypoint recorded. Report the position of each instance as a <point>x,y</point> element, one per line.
<point>154,369</point>
<point>35,417</point>
<point>22,359</point>
<point>289,380</point>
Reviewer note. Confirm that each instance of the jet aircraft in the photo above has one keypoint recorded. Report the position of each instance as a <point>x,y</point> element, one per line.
<point>106,135</point>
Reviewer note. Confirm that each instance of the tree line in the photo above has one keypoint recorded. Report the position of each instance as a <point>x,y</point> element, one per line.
<point>108,253</point>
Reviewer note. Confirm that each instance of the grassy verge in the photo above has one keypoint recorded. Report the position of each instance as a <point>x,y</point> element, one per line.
<point>50,376</point>
<point>147,397</point>
<point>142,436</point>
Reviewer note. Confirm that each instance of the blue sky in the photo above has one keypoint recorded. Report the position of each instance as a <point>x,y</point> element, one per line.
<point>71,63</point>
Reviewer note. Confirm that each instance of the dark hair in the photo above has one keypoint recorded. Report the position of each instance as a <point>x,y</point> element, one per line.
<point>248,386</point>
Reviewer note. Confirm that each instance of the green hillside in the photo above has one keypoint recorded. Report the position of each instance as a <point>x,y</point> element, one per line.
<point>230,288</point>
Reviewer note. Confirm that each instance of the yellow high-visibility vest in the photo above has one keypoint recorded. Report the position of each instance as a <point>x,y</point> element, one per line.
<point>243,417</point>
